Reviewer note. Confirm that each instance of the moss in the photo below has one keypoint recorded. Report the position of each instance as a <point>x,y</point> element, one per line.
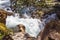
<point>4,31</point>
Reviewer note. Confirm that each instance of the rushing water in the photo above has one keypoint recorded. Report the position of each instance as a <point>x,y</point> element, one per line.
<point>33,26</point>
<point>53,16</point>
<point>5,4</point>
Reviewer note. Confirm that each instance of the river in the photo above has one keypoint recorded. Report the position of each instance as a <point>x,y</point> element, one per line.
<point>33,26</point>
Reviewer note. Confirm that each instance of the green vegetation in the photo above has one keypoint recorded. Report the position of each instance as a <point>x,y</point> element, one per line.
<point>41,4</point>
<point>4,31</point>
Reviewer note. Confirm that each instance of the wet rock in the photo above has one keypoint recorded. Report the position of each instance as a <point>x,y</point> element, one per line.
<point>3,16</point>
<point>51,31</point>
<point>57,10</point>
<point>7,37</point>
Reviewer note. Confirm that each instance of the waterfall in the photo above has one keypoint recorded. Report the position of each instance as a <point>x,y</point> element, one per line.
<point>33,26</point>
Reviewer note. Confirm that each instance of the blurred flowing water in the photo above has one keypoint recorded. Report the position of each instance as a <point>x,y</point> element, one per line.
<point>33,26</point>
<point>5,4</point>
<point>48,18</point>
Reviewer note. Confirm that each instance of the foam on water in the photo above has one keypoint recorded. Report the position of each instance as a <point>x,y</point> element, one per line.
<point>5,4</point>
<point>33,26</point>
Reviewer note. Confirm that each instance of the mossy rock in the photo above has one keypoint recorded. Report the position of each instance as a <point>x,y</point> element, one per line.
<point>4,31</point>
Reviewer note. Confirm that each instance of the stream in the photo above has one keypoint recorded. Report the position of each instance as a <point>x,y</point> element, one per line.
<point>33,26</point>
